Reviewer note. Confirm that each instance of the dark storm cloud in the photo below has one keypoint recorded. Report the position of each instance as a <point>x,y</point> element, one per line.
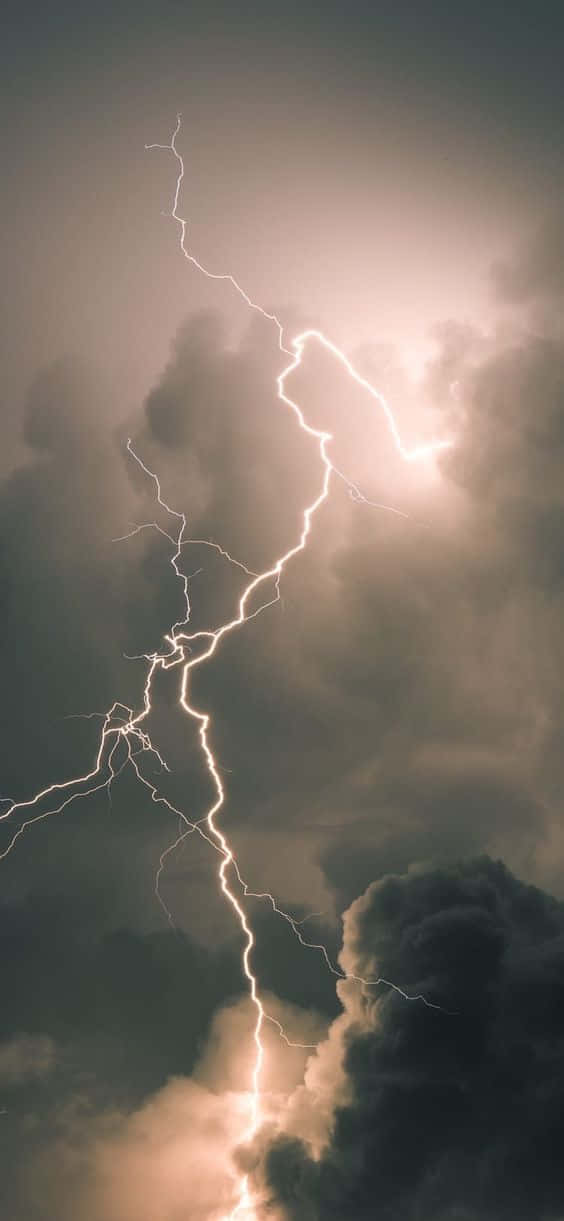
<point>449,1115</point>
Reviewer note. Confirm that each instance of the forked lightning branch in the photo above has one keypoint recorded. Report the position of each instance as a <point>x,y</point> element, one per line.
<point>124,739</point>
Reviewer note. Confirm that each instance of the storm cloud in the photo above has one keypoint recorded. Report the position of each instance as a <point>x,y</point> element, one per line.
<point>392,726</point>
<point>455,1113</point>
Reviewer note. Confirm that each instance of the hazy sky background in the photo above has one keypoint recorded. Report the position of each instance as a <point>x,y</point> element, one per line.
<point>390,736</point>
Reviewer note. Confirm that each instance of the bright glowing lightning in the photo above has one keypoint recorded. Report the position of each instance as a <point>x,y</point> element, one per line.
<point>124,740</point>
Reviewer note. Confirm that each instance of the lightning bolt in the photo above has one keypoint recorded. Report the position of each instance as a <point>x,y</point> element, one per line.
<point>124,740</point>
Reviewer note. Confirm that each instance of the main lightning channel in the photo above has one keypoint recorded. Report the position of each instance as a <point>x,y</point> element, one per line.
<point>124,731</point>
<point>295,354</point>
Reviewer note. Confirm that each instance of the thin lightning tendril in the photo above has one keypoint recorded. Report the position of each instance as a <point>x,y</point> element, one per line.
<point>124,740</point>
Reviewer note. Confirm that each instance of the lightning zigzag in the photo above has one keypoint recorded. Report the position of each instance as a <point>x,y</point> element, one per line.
<point>122,725</point>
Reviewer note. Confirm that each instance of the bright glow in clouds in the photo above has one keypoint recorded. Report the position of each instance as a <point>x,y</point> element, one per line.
<point>124,739</point>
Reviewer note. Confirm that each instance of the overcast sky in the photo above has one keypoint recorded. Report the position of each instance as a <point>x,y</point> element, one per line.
<point>389,734</point>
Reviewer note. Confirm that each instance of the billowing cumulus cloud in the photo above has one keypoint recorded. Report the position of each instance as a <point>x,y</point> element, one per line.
<point>446,1114</point>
